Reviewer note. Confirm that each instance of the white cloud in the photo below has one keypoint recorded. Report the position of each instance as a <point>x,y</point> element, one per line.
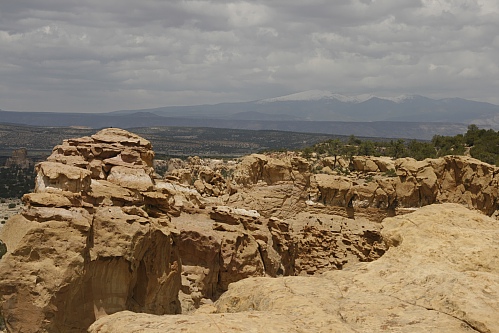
<point>92,55</point>
<point>246,14</point>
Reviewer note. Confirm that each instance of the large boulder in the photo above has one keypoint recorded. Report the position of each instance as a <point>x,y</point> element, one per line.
<point>53,175</point>
<point>223,247</point>
<point>372,164</point>
<point>332,190</point>
<point>468,181</point>
<point>271,170</point>
<point>250,169</point>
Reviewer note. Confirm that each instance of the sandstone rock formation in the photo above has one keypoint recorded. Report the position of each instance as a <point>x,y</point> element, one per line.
<point>85,246</point>
<point>103,234</point>
<point>208,173</point>
<point>373,182</point>
<point>100,235</point>
<point>435,277</point>
<point>20,159</point>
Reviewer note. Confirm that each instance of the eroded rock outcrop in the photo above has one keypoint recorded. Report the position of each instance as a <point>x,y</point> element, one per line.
<point>281,184</point>
<point>19,159</point>
<point>206,176</point>
<point>272,169</point>
<point>410,184</point>
<point>85,245</point>
<point>440,274</point>
<point>102,234</point>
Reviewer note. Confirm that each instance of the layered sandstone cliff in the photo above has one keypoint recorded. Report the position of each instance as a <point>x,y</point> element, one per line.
<point>19,159</point>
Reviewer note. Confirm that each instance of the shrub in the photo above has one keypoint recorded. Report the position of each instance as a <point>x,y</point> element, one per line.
<point>343,171</point>
<point>391,173</point>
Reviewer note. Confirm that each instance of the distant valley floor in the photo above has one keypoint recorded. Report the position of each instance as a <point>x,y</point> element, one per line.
<point>167,141</point>
<point>421,130</point>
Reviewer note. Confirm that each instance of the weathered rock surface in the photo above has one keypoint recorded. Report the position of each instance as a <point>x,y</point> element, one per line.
<point>84,247</point>
<point>328,242</point>
<point>101,234</point>
<point>372,164</point>
<point>440,274</point>
<point>374,182</point>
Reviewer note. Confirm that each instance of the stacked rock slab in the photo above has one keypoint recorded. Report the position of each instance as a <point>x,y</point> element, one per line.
<point>91,240</point>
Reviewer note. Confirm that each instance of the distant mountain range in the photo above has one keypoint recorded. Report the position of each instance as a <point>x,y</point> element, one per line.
<point>315,111</point>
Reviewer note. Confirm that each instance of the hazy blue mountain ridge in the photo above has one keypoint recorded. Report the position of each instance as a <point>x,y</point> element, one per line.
<point>407,116</point>
<point>414,108</point>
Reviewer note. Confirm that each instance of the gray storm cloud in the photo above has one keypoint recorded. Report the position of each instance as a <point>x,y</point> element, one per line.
<point>91,56</point>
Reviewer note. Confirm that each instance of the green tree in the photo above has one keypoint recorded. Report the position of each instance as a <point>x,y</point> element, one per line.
<point>397,148</point>
<point>353,141</point>
<point>367,148</point>
<point>349,151</point>
<point>421,150</point>
<point>486,146</point>
<point>472,134</point>
<point>307,152</point>
<point>334,148</point>
<point>449,145</point>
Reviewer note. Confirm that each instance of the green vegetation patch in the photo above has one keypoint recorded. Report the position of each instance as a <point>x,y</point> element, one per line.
<point>16,181</point>
<point>478,143</point>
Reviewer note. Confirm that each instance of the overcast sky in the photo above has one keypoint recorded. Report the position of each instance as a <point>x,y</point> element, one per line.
<point>104,55</point>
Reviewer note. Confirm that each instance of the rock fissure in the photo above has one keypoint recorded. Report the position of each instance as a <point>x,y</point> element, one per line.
<point>412,222</point>
<point>470,326</point>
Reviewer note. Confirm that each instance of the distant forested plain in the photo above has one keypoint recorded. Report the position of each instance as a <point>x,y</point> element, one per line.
<point>16,181</point>
<point>166,141</point>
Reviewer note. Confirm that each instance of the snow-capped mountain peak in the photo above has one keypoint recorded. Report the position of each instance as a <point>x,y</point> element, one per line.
<point>316,95</point>
<point>400,99</point>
